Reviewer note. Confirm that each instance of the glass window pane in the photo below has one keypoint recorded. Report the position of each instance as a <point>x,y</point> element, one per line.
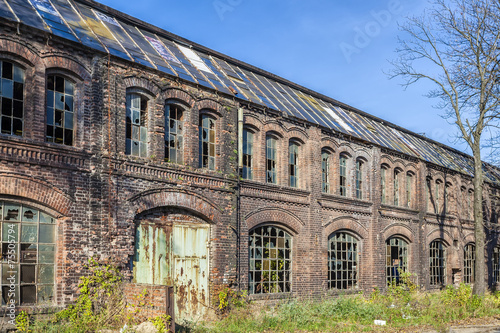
<point>10,231</point>
<point>29,233</point>
<point>47,233</point>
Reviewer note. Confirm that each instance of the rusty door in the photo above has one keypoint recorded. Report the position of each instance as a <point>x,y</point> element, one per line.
<point>152,255</point>
<point>190,271</point>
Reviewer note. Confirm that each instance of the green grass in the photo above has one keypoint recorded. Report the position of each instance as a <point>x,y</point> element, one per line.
<point>401,309</point>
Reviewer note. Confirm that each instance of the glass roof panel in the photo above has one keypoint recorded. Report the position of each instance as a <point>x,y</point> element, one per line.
<point>27,14</point>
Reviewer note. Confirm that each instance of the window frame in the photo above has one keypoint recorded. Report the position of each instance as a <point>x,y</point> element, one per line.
<point>211,161</point>
<point>283,276</point>
<point>325,171</point>
<point>293,163</point>
<point>142,135</point>
<point>247,169</point>
<point>437,263</point>
<point>349,277</point>
<point>402,262</point>
<point>343,158</point>
<point>52,125</point>
<point>396,182</point>
<point>12,118</point>
<point>271,159</point>
<point>359,178</point>
<point>383,184</point>
<point>469,263</point>
<point>178,144</point>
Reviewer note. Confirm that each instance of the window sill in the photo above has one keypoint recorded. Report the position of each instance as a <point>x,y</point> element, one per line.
<point>270,296</point>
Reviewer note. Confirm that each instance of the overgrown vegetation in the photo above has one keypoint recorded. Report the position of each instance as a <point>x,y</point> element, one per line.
<point>403,307</point>
<point>100,305</point>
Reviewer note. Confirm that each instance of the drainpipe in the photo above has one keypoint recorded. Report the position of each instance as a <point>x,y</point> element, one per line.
<point>238,198</point>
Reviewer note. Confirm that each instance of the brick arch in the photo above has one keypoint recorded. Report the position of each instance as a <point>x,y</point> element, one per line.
<point>348,223</point>
<point>469,238</point>
<point>37,190</point>
<point>25,51</point>
<point>363,153</point>
<point>329,142</point>
<point>387,159</point>
<point>398,229</point>
<point>298,133</point>
<point>179,94</point>
<point>69,64</point>
<point>346,148</point>
<point>274,214</point>
<point>162,197</point>
<point>273,126</point>
<point>210,104</point>
<point>139,82</point>
<point>439,234</point>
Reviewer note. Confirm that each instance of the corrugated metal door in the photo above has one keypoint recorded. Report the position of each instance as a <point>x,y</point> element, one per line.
<point>190,258</point>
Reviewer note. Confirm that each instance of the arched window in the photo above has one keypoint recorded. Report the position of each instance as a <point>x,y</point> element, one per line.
<point>437,263</point>
<point>12,98</point>
<point>396,258</point>
<point>28,253</point>
<point>271,159</point>
<point>60,110</point>
<point>207,142</point>
<point>496,265</point>
<point>247,170</point>
<point>342,261</point>
<point>325,171</point>
<point>469,260</point>
<point>270,267</point>
<point>343,175</point>
<point>359,179</point>
<point>382,184</point>
<point>136,125</point>
<point>409,189</point>
<point>470,205</point>
<point>397,172</point>
<point>446,197</point>
<point>437,196</point>
<point>293,150</point>
<point>174,133</point>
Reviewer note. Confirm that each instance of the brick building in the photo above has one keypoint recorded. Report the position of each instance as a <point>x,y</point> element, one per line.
<point>186,167</point>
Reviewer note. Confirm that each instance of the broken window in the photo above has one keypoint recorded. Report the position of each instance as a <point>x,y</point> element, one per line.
<point>409,185</point>
<point>271,159</point>
<point>27,255</point>
<point>343,175</point>
<point>382,183</point>
<point>359,179</point>
<point>396,258</point>
<point>136,125</point>
<point>469,259</point>
<point>496,265</point>
<point>293,150</point>
<point>270,266</point>
<point>207,142</point>
<point>174,133</point>
<point>11,98</point>
<point>437,262</point>
<point>60,110</point>
<point>342,261</point>
<point>325,171</point>
<point>247,170</point>
<point>397,172</point>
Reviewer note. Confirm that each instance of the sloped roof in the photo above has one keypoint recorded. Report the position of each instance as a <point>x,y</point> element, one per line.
<point>107,30</point>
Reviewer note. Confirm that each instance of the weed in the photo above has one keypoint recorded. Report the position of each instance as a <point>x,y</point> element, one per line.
<point>23,322</point>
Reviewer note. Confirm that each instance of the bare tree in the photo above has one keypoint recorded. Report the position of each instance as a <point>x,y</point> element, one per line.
<point>455,45</point>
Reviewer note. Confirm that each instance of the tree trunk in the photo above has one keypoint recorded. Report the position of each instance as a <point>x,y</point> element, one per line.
<point>479,234</point>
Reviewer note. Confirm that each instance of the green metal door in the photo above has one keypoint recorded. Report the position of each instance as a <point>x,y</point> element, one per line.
<point>190,258</point>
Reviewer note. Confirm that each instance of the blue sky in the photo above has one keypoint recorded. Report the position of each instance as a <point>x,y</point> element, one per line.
<point>338,48</point>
